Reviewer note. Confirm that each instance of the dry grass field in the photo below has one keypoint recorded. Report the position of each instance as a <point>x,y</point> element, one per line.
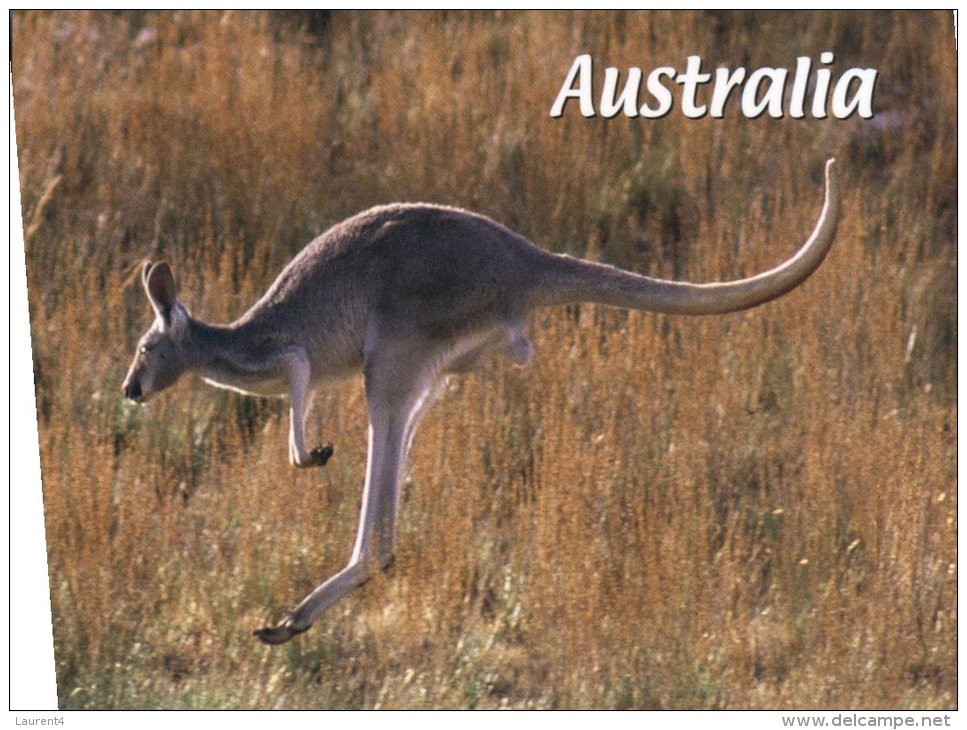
<point>749,511</point>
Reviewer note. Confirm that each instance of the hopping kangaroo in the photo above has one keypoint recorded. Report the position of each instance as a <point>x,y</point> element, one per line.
<point>408,294</point>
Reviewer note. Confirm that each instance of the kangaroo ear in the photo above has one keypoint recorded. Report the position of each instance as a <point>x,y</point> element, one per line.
<point>159,283</point>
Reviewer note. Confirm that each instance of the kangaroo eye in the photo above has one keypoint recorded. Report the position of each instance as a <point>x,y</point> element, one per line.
<point>144,349</point>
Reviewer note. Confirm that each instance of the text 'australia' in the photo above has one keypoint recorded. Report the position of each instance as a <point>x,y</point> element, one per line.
<point>773,91</point>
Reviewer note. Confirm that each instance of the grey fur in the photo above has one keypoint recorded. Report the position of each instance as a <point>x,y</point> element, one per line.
<point>409,294</point>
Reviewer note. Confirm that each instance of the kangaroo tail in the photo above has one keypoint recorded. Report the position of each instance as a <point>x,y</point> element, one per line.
<point>568,280</point>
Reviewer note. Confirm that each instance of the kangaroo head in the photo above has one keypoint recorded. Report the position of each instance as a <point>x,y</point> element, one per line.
<point>160,358</point>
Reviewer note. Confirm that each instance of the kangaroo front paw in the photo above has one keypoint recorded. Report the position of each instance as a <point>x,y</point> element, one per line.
<point>320,455</point>
<point>317,457</point>
<point>280,634</point>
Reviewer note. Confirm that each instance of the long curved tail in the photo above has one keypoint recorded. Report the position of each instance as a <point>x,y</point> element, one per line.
<point>567,280</point>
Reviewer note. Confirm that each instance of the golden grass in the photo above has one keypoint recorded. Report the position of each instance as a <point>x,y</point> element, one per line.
<point>752,511</point>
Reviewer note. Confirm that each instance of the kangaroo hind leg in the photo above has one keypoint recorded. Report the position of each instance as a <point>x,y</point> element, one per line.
<point>400,380</point>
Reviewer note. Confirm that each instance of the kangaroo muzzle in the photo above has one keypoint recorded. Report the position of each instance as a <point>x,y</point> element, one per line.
<point>132,391</point>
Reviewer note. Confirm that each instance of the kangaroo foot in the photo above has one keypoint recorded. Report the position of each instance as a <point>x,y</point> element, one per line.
<point>279,634</point>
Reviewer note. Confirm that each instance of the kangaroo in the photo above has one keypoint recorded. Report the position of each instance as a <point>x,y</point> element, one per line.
<point>409,294</point>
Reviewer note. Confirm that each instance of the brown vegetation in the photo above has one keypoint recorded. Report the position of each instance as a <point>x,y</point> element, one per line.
<point>752,511</point>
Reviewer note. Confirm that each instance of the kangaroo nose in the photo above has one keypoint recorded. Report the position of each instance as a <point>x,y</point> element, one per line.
<point>132,391</point>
